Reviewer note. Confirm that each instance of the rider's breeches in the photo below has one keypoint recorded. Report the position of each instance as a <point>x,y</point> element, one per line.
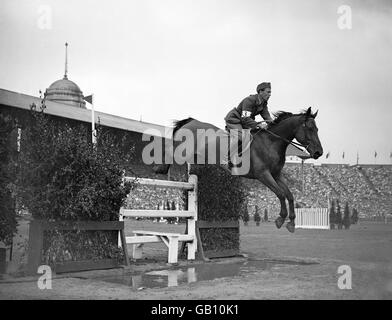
<point>235,136</point>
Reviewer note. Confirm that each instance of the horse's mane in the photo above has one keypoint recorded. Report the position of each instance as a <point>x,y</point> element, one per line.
<point>179,123</point>
<point>282,115</point>
<point>279,116</point>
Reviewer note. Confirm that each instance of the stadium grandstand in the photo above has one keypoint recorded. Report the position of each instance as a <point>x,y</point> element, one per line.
<point>368,188</point>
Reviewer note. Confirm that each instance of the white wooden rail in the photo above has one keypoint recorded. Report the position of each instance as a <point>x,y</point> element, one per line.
<point>171,240</point>
<point>163,183</point>
<point>312,218</point>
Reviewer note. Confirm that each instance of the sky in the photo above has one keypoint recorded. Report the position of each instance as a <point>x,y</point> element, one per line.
<point>160,60</point>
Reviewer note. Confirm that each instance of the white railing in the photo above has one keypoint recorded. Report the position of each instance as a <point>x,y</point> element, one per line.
<point>312,218</point>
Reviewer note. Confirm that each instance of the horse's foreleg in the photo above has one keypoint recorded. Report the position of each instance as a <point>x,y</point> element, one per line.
<point>266,178</point>
<point>289,196</point>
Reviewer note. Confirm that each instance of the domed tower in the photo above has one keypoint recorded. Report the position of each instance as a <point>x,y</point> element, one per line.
<point>65,91</point>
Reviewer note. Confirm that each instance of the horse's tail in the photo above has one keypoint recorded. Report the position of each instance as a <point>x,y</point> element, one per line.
<point>178,124</point>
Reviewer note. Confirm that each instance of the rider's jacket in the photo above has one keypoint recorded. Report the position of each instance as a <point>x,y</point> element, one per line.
<point>247,110</point>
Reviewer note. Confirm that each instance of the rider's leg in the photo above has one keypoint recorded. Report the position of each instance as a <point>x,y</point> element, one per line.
<point>235,131</point>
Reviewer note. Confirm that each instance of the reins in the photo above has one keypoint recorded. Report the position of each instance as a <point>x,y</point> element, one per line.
<point>294,144</point>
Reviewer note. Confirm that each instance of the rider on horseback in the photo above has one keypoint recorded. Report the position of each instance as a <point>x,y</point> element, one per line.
<point>243,116</point>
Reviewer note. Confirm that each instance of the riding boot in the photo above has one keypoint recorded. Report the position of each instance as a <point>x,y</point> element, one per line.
<point>227,162</point>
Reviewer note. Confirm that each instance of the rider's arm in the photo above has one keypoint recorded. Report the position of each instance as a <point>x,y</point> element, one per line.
<point>247,108</point>
<point>248,123</point>
<point>265,114</point>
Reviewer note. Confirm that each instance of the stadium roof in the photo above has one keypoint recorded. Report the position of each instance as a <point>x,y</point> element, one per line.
<point>24,101</point>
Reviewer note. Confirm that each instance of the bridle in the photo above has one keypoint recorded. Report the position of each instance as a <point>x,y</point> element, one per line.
<point>294,144</point>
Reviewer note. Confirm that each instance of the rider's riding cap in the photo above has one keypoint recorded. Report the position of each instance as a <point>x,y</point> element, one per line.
<point>263,86</point>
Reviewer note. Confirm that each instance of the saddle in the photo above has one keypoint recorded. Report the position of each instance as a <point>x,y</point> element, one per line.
<point>240,147</point>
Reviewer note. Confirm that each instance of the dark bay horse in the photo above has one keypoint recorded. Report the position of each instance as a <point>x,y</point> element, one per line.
<point>268,153</point>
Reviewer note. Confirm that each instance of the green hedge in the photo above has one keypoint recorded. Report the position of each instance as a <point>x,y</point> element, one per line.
<point>61,246</point>
<point>221,196</point>
<point>62,176</point>
<point>8,222</point>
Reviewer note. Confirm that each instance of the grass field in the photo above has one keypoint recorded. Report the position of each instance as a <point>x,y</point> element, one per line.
<point>366,248</point>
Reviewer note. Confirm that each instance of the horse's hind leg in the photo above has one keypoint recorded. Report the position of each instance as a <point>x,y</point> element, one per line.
<point>266,178</point>
<point>289,196</point>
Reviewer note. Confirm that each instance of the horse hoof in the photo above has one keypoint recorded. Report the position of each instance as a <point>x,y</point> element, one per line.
<point>279,222</point>
<point>290,226</point>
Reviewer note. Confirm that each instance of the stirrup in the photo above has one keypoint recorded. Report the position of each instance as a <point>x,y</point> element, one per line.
<point>226,167</point>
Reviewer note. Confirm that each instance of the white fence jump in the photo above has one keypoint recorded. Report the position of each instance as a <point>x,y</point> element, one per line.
<point>312,218</point>
<point>171,240</point>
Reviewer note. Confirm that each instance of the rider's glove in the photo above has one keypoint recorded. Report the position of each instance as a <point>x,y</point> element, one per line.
<point>262,125</point>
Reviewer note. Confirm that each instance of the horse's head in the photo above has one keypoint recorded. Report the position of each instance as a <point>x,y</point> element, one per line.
<point>307,134</point>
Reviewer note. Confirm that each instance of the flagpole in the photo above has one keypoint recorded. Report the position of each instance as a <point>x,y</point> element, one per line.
<point>93,135</point>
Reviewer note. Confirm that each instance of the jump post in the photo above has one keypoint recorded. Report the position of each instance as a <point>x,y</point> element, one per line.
<point>171,240</point>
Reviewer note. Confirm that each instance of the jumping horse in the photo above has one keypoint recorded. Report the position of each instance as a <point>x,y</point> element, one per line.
<point>268,153</point>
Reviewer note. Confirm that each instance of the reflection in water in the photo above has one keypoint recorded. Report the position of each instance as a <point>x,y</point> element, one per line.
<point>200,272</point>
<point>175,276</point>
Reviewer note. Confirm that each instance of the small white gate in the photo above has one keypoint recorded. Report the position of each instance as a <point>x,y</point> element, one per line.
<point>312,218</point>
